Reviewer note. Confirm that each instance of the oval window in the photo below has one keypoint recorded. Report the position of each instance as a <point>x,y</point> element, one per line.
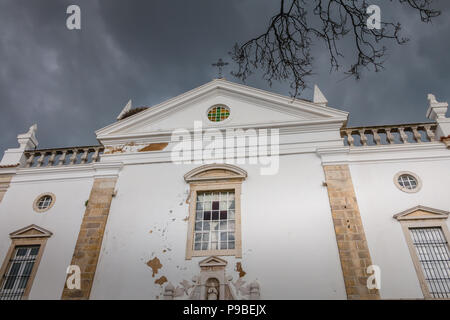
<point>218,113</point>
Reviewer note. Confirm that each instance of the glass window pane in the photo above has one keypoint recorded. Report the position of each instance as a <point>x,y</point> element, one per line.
<point>212,217</point>
<point>223,236</point>
<point>21,252</point>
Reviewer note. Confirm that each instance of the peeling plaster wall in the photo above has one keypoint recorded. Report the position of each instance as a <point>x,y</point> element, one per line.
<point>379,199</point>
<point>279,213</point>
<point>63,220</point>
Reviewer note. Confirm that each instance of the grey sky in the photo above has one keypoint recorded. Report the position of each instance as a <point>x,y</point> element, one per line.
<point>72,83</point>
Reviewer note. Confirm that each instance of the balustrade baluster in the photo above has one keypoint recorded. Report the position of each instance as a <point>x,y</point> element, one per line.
<point>51,160</point>
<point>96,154</point>
<point>73,158</point>
<point>350,139</point>
<point>40,160</point>
<point>30,159</point>
<point>376,137</point>
<point>416,134</point>
<point>403,135</point>
<point>363,137</point>
<point>84,156</point>
<point>430,133</point>
<point>62,158</point>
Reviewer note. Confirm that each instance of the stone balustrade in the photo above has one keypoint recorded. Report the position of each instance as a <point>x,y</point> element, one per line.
<point>387,135</point>
<point>62,156</point>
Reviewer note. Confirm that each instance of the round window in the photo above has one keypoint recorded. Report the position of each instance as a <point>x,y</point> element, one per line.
<point>44,202</point>
<point>218,113</point>
<point>407,181</point>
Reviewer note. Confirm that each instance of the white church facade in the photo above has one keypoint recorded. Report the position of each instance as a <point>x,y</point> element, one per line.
<point>230,192</point>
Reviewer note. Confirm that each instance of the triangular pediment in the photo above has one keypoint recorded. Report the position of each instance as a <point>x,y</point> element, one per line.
<point>249,107</point>
<point>213,261</point>
<point>421,213</point>
<point>32,231</point>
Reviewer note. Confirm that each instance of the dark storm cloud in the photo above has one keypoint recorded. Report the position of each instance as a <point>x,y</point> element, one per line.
<point>73,82</point>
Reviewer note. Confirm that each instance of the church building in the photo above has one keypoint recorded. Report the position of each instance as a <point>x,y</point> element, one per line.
<point>232,193</point>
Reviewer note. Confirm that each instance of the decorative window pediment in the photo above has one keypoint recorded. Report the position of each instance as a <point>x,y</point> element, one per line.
<point>215,172</point>
<point>212,262</point>
<point>32,231</point>
<point>421,213</point>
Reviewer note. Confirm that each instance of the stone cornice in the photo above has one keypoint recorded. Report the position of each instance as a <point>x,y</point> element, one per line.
<point>384,153</point>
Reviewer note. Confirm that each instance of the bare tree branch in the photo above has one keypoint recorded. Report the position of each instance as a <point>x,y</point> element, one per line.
<point>283,50</point>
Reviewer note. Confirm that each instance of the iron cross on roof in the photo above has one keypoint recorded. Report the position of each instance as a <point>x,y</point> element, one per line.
<point>219,65</point>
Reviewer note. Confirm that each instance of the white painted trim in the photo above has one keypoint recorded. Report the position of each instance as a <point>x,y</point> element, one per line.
<point>94,170</point>
<point>280,102</point>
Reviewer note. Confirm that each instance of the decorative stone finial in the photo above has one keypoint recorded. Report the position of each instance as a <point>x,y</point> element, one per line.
<point>125,110</point>
<point>432,98</point>
<point>436,111</point>
<point>27,141</point>
<point>319,98</point>
<point>32,130</point>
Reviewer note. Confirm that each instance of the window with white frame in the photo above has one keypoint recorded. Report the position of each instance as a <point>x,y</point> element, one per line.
<point>44,202</point>
<point>433,254</point>
<point>407,182</point>
<point>18,272</point>
<point>215,221</point>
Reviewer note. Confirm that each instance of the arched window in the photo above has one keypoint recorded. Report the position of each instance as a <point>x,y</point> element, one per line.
<point>214,210</point>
